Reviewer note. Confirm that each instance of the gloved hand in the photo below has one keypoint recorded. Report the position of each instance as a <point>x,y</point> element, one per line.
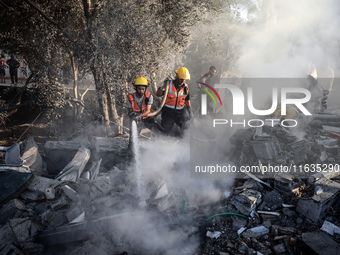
<point>189,113</point>
<point>132,114</point>
<point>138,116</point>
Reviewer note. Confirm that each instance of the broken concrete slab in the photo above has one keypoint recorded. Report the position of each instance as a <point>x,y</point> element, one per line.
<point>255,232</point>
<point>32,248</point>
<point>107,144</point>
<point>6,235</point>
<point>280,249</point>
<point>60,203</point>
<point>279,230</point>
<point>164,203</point>
<point>11,249</point>
<point>272,199</point>
<point>315,207</point>
<point>29,195</point>
<point>103,184</point>
<point>299,150</point>
<point>73,170</point>
<point>326,173</point>
<point>31,156</point>
<point>214,234</point>
<point>21,229</point>
<point>79,218</point>
<point>12,183</point>
<point>54,219</point>
<point>246,201</point>
<point>319,243</point>
<point>40,184</point>
<point>330,228</point>
<point>73,213</point>
<point>9,210</point>
<point>12,155</point>
<point>70,193</point>
<point>94,170</point>
<point>159,192</point>
<point>266,147</point>
<point>60,153</point>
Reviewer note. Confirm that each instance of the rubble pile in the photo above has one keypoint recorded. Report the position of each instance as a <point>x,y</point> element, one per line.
<point>87,202</point>
<point>288,212</point>
<point>277,146</point>
<point>278,222</point>
<point>88,207</point>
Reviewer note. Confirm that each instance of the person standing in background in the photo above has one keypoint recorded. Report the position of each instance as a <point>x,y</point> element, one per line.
<point>2,70</point>
<point>13,69</point>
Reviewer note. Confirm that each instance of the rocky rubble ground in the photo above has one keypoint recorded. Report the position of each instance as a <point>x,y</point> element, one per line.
<point>91,206</point>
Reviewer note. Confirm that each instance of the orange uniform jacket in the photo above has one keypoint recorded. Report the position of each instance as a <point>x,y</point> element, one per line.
<point>176,99</point>
<point>135,106</point>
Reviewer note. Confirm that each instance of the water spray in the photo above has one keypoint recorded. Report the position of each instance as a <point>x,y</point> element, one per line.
<point>137,162</point>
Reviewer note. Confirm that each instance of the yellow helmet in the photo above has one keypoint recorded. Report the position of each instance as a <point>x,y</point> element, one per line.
<point>183,73</point>
<point>141,81</point>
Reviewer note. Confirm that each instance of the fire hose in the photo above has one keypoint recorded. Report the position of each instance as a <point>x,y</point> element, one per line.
<point>163,101</point>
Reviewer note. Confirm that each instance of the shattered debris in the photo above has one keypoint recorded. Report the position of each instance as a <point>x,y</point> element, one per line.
<point>84,200</point>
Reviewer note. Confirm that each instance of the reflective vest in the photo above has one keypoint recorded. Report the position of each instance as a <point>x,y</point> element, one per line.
<point>176,99</point>
<point>135,106</point>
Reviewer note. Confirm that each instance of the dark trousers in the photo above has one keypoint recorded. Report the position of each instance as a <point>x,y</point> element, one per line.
<point>171,116</point>
<point>14,75</point>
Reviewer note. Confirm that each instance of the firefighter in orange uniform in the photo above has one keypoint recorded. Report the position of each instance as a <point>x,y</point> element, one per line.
<point>178,99</point>
<point>139,105</point>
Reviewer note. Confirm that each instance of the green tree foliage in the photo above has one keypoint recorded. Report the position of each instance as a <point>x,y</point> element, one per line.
<point>115,41</point>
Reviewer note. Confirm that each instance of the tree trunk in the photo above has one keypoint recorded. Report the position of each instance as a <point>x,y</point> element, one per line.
<point>101,95</point>
<point>75,76</point>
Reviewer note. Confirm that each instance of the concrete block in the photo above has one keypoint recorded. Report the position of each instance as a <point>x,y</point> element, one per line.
<point>79,218</point>
<point>161,191</point>
<point>12,250</point>
<point>280,249</point>
<point>21,229</point>
<point>298,150</point>
<point>272,199</point>
<point>166,202</point>
<point>315,207</point>
<point>266,147</point>
<point>106,144</point>
<point>256,232</point>
<point>73,170</point>
<point>94,170</point>
<point>54,219</point>
<point>9,210</point>
<point>40,184</point>
<point>29,195</point>
<point>70,193</point>
<point>330,228</point>
<point>319,243</point>
<point>60,203</point>
<point>103,184</point>
<point>31,155</point>
<point>246,201</point>
<point>32,248</point>
<point>6,235</point>
<point>60,153</point>
<point>73,213</point>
